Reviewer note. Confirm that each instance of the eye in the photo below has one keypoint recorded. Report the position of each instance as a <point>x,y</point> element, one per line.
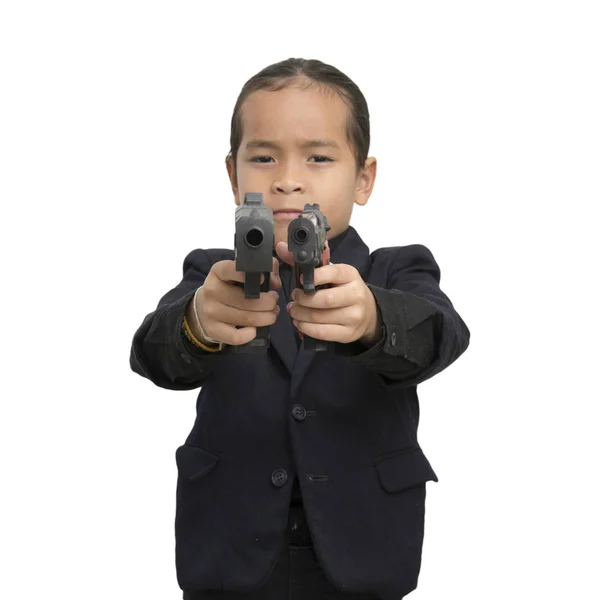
<point>259,159</point>
<point>322,159</point>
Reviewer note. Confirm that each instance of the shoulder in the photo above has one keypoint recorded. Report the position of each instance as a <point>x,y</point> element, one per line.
<point>413,253</point>
<point>202,259</point>
<point>411,258</point>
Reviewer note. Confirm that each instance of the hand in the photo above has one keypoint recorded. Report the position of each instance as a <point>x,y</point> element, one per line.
<point>221,306</point>
<point>343,313</point>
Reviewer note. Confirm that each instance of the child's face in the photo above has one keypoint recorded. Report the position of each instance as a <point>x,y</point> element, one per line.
<point>287,172</point>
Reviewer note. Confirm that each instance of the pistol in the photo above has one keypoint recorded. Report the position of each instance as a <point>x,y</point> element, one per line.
<point>307,240</point>
<point>253,246</point>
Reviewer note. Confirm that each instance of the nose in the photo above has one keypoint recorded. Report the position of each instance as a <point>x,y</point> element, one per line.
<point>288,183</point>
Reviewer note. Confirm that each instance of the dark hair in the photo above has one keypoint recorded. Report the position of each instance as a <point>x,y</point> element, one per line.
<point>293,70</point>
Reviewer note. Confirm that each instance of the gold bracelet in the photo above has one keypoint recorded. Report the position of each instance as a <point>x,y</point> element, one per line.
<point>190,336</point>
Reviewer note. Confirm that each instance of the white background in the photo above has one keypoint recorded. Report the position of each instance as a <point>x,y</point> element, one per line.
<point>114,126</point>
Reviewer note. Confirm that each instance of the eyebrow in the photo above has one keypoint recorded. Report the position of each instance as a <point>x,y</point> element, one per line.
<point>324,143</point>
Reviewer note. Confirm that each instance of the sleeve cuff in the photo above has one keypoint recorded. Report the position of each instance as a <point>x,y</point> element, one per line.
<point>407,330</point>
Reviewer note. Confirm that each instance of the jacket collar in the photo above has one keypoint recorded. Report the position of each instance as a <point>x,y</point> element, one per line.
<point>348,248</point>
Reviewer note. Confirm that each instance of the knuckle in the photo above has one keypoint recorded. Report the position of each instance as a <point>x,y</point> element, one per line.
<point>209,289</point>
<point>270,302</point>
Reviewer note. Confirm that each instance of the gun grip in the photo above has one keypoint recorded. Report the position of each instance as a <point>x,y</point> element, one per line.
<point>252,289</point>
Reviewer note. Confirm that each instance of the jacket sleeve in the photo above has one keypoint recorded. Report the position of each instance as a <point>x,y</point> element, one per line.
<point>159,351</point>
<point>422,333</point>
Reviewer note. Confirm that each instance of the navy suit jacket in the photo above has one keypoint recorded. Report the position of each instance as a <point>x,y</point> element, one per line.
<point>344,422</point>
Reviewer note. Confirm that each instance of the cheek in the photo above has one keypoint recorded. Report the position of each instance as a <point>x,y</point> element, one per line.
<point>340,193</point>
<point>242,178</point>
<point>247,178</point>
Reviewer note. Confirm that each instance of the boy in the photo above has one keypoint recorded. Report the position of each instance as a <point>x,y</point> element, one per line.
<point>302,476</point>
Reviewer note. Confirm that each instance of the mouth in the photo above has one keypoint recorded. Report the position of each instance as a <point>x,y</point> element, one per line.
<point>286,214</point>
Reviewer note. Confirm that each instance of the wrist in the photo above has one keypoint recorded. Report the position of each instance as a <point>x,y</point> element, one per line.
<point>195,326</point>
<point>374,331</point>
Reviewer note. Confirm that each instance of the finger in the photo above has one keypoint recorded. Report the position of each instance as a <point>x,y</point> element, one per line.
<point>226,272</point>
<point>335,297</point>
<point>275,277</point>
<point>284,253</point>
<point>234,297</point>
<point>245,318</point>
<point>349,316</point>
<point>327,333</point>
<point>337,274</point>
<point>232,336</point>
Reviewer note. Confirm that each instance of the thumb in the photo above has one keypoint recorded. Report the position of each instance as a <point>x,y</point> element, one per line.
<point>283,253</point>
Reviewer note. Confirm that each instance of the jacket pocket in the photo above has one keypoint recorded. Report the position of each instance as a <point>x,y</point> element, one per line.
<point>194,462</point>
<point>404,469</point>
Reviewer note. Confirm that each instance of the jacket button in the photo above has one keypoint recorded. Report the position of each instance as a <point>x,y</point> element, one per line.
<point>186,358</point>
<point>279,477</point>
<point>393,338</point>
<point>299,412</point>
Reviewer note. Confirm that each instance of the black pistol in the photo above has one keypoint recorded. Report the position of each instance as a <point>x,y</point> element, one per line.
<point>307,240</point>
<point>253,245</point>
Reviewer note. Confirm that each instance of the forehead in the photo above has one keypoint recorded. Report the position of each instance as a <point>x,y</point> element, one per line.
<point>295,113</point>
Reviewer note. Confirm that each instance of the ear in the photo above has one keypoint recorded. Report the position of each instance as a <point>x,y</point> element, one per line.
<point>232,178</point>
<point>365,181</point>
